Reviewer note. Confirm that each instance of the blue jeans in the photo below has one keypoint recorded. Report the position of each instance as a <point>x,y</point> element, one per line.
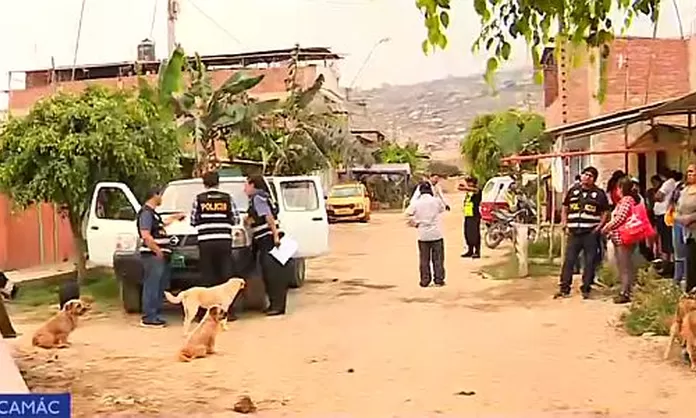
<point>156,276</point>
<point>679,244</point>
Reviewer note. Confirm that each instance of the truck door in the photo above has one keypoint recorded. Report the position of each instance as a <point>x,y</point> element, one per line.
<point>302,213</point>
<point>111,222</point>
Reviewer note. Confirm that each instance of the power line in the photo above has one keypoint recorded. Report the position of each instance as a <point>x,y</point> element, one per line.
<point>77,39</point>
<point>154,18</point>
<point>214,22</point>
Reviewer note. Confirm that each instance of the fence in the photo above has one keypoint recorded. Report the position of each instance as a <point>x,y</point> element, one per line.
<point>33,237</point>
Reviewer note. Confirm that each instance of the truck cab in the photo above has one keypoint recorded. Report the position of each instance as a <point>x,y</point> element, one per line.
<point>112,236</point>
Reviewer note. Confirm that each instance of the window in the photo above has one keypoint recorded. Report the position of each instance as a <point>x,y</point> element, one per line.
<point>299,195</point>
<point>112,203</point>
<point>354,191</point>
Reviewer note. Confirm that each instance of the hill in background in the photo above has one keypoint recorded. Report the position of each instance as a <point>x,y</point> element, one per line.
<point>436,114</point>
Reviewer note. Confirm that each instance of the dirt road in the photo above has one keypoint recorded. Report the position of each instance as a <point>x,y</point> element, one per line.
<point>363,339</point>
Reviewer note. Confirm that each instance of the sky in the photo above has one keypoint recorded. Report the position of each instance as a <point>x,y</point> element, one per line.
<point>33,31</point>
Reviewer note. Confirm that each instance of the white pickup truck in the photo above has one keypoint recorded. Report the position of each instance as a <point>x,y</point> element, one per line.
<point>112,236</point>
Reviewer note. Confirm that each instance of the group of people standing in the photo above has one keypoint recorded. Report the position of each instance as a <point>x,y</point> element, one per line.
<point>628,217</point>
<point>213,215</point>
<point>424,211</point>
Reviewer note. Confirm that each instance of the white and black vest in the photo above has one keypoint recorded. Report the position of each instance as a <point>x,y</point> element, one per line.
<point>214,216</point>
<point>259,227</point>
<point>157,231</point>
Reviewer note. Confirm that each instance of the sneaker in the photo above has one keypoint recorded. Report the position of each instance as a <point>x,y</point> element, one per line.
<point>585,295</point>
<point>157,323</point>
<point>466,254</point>
<point>621,299</point>
<point>476,256</point>
<point>561,295</point>
<point>275,312</point>
<point>439,284</point>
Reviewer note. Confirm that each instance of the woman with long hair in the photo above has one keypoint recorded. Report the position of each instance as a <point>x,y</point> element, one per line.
<point>613,187</point>
<point>629,198</point>
<point>686,217</point>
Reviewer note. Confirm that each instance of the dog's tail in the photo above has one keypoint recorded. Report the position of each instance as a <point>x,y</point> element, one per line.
<point>173,299</point>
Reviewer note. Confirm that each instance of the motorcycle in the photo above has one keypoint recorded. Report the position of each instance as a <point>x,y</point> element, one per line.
<point>502,229</point>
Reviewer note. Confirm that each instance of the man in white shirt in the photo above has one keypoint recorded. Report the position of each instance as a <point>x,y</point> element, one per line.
<point>437,190</point>
<point>424,213</point>
<point>662,199</point>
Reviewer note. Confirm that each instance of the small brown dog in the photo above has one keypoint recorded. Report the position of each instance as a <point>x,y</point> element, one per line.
<point>54,333</point>
<point>201,342</point>
<point>688,334</point>
<point>686,305</point>
<point>206,297</point>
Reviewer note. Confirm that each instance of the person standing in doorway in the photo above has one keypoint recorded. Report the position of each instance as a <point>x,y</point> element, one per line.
<point>472,218</point>
<point>214,213</point>
<point>662,199</point>
<point>424,214</point>
<point>585,211</point>
<point>154,252</point>
<point>263,220</point>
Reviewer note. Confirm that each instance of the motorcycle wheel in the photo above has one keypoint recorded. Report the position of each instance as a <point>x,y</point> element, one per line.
<point>494,236</point>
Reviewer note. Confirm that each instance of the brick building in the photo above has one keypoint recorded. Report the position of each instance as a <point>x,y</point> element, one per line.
<point>639,72</point>
<point>40,235</point>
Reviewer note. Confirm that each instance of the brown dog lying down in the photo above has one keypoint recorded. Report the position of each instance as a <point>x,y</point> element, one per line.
<point>201,342</point>
<point>688,333</point>
<point>54,333</point>
<point>686,305</point>
<point>206,297</point>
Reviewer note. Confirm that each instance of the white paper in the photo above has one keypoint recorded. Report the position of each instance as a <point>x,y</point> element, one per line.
<point>285,251</point>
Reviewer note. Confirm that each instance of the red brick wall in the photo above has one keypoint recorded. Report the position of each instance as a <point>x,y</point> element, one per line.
<point>665,75</point>
<point>24,233</point>
<point>273,83</point>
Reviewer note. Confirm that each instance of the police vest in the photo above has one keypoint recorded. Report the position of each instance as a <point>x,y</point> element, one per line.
<point>157,231</point>
<point>214,216</point>
<point>584,211</point>
<point>468,205</point>
<point>259,226</point>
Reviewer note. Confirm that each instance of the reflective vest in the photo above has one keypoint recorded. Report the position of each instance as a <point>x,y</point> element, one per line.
<point>157,231</point>
<point>214,216</point>
<point>259,227</point>
<point>468,205</point>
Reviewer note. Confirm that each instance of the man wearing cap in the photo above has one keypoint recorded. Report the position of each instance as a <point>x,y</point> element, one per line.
<point>585,211</point>
<point>154,252</point>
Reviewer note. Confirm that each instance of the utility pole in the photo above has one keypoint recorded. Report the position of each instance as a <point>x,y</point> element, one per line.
<point>172,15</point>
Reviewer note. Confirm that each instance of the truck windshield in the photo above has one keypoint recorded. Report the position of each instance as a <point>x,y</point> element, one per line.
<point>179,196</point>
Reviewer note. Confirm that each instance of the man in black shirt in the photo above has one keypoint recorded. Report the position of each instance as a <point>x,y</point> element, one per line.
<point>472,217</point>
<point>585,211</point>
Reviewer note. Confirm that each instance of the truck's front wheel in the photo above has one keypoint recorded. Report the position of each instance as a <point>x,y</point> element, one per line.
<point>298,276</point>
<point>131,296</point>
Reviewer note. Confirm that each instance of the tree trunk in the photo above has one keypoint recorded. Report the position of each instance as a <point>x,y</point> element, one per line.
<point>80,248</point>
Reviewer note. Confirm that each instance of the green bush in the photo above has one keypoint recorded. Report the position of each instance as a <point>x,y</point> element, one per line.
<point>653,306</point>
<point>540,248</point>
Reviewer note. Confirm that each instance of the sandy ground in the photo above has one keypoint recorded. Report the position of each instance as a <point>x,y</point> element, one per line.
<point>362,339</point>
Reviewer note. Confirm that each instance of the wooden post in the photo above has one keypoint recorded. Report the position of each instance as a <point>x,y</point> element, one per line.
<point>521,243</point>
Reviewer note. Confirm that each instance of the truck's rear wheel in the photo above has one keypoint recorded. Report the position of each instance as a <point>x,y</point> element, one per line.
<point>298,276</point>
<point>131,296</point>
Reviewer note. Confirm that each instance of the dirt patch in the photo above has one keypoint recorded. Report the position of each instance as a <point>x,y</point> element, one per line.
<point>363,339</point>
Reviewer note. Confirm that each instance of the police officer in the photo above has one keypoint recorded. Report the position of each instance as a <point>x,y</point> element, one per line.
<point>263,221</point>
<point>154,252</point>
<point>585,211</point>
<point>213,215</point>
<point>472,218</point>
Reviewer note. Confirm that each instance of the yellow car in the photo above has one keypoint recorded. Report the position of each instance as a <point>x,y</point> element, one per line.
<point>349,202</point>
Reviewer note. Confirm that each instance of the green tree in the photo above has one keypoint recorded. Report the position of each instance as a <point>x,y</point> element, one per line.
<point>70,142</point>
<point>493,136</point>
<point>583,23</point>
<point>299,135</point>
<point>391,152</point>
